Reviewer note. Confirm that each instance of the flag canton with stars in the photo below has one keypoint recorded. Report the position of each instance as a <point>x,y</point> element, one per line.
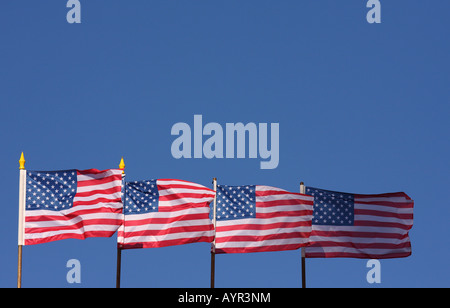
<point>51,190</point>
<point>235,202</point>
<point>141,197</point>
<point>332,208</point>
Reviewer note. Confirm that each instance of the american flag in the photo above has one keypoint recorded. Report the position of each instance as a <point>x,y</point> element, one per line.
<point>360,226</point>
<point>72,204</point>
<point>165,212</point>
<point>255,218</point>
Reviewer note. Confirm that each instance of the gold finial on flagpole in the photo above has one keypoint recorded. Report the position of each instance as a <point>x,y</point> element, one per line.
<point>22,162</point>
<point>122,165</point>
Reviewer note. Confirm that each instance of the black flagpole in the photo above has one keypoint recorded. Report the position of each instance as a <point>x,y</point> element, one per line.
<point>302,191</point>
<point>119,262</point>
<point>119,248</point>
<point>213,244</point>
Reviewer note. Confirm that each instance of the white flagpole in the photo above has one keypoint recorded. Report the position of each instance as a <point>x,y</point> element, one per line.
<point>22,193</point>
<point>302,191</point>
<point>213,245</point>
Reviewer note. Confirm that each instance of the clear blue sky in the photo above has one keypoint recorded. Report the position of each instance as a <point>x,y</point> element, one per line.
<point>362,108</point>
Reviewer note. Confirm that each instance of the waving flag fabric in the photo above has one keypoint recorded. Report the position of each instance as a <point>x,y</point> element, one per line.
<point>360,226</point>
<point>72,204</point>
<point>165,212</point>
<point>255,218</point>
